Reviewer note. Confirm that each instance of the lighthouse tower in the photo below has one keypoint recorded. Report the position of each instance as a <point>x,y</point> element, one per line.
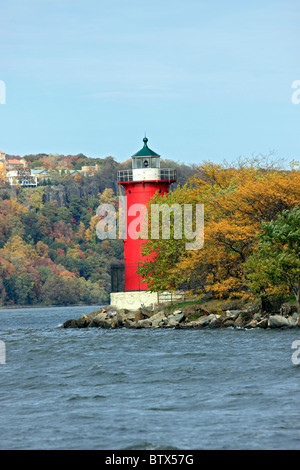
<point>139,184</point>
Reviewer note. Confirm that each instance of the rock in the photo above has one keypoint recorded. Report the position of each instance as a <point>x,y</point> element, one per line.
<point>176,319</point>
<point>210,319</point>
<point>116,321</point>
<point>257,316</point>
<point>278,321</point>
<point>158,315</point>
<point>146,312</point>
<point>159,319</point>
<point>138,316</point>
<point>255,307</point>
<point>227,322</point>
<point>293,320</point>
<point>252,324</point>
<point>160,322</point>
<point>242,319</point>
<point>126,315</point>
<point>263,323</point>
<point>70,324</point>
<point>233,313</point>
<point>239,322</point>
<point>94,314</point>
<point>143,323</point>
<point>101,320</point>
<point>123,312</point>
<point>176,312</point>
<point>179,317</point>
<point>191,324</point>
<point>287,309</point>
<point>215,321</point>
<point>83,321</point>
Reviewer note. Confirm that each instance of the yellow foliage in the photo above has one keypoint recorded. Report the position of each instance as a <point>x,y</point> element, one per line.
<point>90,233</point>
<point>236,202</point>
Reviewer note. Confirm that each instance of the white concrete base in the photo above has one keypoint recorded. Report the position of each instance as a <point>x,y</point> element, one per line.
<point>133,300</point>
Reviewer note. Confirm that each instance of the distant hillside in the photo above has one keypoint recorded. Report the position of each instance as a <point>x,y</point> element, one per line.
<point>49,252</point>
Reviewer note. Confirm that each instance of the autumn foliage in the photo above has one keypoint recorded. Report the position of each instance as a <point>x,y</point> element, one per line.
<point>237,201</point>
<point>50,254</point>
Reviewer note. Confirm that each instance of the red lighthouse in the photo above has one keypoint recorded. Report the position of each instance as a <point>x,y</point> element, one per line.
<point>140,183</point>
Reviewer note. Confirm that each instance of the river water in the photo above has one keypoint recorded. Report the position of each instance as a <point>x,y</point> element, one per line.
<point>144,389</point>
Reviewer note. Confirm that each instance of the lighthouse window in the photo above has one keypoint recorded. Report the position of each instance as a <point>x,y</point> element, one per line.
<point>154,162</point>
<point>146,163</point>
<point>136,163</point>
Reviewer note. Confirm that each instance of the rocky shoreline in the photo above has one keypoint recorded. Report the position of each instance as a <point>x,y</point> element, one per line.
<point>188,317</point>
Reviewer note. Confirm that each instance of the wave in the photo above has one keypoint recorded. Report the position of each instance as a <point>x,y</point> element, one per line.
<point>150,446</point>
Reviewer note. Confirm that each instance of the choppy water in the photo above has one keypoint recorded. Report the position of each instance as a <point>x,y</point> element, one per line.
<point>145,389</point>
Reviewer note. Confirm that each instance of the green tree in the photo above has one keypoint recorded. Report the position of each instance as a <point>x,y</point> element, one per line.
<point>274,268</point>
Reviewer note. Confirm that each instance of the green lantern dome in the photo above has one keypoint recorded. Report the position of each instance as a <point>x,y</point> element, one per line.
<point>145,151</point>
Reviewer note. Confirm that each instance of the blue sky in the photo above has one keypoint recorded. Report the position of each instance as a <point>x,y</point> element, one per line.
<point>206,80</point>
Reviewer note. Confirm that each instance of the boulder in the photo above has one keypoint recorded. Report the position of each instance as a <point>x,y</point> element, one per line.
<point>278,321</point>
<point>83,321</point>
<point>233,313</point>
<point>138,316</point>
<point>116,321</point>
<point>102,320</point>
<point>293,319</point>
<point>228,322</point>
<point>176,312</point>
<point>70,324</point>
<point>209,320</point>
<point>176,319</point>
<point>263,323</point>
<point>255,307</point>
<point>287,309</point>
<point>159,319</point>
<point>143,323</point>
<point>252,323</point>
<point>215,321</point>
<point>242,319</point>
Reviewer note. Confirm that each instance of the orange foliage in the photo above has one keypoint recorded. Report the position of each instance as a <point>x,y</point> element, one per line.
<point>236,202</point>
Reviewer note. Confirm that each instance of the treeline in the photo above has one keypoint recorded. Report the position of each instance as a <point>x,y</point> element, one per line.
<point>251,235</point>
<point>50,255</point>
<point>49,251</point>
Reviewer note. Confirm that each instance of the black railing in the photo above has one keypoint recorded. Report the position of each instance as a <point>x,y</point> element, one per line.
<point>164,174</point>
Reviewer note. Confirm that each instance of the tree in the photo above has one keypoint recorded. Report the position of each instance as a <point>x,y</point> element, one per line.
<point>274,268</point>
<point>236,202</point>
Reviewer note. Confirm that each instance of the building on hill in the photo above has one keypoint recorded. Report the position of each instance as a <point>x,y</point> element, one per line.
<point>40,174</point>
<point>22,176</point>
<point>89,170</point>
<point>14,163</point>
